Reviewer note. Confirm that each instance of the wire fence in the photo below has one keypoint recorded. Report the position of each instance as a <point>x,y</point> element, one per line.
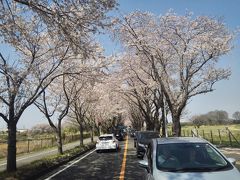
<point>30,145</point>
<point>221,137</point>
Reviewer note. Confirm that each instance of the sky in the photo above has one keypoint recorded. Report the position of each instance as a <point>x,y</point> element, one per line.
<point>227,93</point>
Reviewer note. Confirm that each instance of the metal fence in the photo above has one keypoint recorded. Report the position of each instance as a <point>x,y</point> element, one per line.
<point>221,137</point>
<point>29,145</point>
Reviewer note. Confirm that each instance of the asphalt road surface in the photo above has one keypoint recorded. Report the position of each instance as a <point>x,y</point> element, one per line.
<point>106,165</point>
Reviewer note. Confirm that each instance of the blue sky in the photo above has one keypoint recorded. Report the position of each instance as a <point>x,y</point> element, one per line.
<point>227,94</point>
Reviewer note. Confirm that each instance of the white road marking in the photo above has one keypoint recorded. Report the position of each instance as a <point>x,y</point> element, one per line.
<point>69,165</point>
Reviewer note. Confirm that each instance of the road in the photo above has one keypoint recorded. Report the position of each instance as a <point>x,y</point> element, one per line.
<point>33,156</point>
<point>105,165</point>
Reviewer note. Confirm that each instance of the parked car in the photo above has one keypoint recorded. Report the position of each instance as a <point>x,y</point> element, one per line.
<point>143,138</point>
<point>187,158</point>
<point>132,132</point>
<point>107,142</point>
<point>135,138</point>
<point>119,134</point>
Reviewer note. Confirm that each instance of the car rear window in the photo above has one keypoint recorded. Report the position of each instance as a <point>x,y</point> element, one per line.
<point>106,138</point>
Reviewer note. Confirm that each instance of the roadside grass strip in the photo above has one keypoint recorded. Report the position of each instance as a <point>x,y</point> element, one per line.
<point>123,167</point>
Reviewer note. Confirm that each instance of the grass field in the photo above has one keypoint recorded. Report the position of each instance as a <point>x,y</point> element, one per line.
<point>226,135</point>
<point>231,127</point>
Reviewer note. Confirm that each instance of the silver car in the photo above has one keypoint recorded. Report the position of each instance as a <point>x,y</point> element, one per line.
<point>187,158</point>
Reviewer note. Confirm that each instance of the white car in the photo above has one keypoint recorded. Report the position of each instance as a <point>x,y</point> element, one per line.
<point>107,142</point>
<point>186,158</point>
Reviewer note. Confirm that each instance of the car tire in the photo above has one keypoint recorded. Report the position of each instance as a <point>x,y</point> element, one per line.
<point>98,151</point>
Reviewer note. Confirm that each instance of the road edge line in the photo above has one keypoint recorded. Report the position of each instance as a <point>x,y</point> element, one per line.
<point>69,165</point>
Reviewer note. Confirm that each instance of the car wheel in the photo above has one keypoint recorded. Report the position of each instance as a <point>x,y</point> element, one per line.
<point>98,151</point>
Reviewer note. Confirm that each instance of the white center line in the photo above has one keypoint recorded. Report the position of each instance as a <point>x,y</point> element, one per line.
<point>69,165</point>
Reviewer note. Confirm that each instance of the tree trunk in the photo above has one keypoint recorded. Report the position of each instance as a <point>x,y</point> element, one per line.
<point>11,156</point>
<point>163,129</point>
<point>98,130</point>
<point>149,125</point>
<point>92,133</point>
<point>157,126</point>
<point>59,141</point>
<point>176,127</point>
<point>163,123</point>
<point>81,134</point>
<point>156,123</point>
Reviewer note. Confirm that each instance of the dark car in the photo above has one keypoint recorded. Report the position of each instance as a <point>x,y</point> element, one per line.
<point>142,139</point>
<point>119,134</point>
<point>132,132</point>
<point>135,138</point>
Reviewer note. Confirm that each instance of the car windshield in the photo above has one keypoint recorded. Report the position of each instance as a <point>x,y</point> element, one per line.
<point>149,135</point>
<point>104,138</point>
<point>184,157</point>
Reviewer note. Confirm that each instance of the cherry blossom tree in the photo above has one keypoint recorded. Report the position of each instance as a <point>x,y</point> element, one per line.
<point>182,51</point>
<point>71,20</point>
<point>54,103</point>
<point>109,108</point>
<point>25,78</point>
<point>141,91</point>
<point>43,35</point>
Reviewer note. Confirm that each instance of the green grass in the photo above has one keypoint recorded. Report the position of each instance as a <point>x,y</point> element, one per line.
<point>211,133</point>
<point>231,127</point>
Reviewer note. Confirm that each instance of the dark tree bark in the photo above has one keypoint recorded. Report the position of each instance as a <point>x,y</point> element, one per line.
<point>81,133</point>
<point>149,124</point>
<point>176,126</point>
<point>11,156</point>
<point>92,133</point>
<point>157,126</point>
<point>59,139</point>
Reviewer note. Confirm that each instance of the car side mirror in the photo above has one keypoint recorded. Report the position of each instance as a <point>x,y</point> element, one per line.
<point>232,160</point>
<point>143,164</point>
